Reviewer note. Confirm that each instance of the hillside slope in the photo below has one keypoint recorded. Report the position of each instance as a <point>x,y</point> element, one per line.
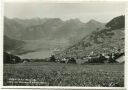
<point>12,45</point>
<point>107,40</point>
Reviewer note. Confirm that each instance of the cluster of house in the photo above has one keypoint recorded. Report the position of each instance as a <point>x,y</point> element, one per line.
<point>113,57</point>
<point>67,60</point>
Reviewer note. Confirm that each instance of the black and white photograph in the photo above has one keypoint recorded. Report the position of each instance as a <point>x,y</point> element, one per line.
<point>76,44</point>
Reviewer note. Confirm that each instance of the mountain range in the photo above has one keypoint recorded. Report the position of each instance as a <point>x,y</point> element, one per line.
<point>39,38</point>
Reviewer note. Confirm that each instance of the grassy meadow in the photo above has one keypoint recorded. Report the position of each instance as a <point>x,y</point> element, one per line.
<point>59,74</point>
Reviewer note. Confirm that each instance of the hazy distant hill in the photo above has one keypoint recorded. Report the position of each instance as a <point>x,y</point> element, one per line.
<point>15,28</point>
<point>12,45</point>
<point>106,40</point>
<point>49,34</point>
<point>18,47</point>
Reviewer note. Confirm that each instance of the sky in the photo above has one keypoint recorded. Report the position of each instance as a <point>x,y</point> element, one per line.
<point>100,11</point>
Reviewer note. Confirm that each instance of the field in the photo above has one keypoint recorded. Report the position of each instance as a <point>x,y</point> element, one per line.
<point>58,74</point>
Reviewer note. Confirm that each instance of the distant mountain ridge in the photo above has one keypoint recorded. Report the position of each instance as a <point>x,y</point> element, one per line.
<point>43,28</point>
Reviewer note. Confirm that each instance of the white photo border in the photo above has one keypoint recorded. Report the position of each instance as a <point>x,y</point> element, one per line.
<point>61,87</point>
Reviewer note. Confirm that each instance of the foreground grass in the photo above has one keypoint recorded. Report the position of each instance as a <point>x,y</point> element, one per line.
<point>56,74</point>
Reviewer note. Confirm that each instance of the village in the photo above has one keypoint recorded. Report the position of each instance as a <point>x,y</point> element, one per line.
<point>91,58</point>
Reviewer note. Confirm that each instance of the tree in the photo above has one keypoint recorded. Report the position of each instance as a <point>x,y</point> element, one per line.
<point>9,58</point>
<point>52,58</point>
<point>111,59</point>
<point>101,58</point>
<point>72,60</point>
